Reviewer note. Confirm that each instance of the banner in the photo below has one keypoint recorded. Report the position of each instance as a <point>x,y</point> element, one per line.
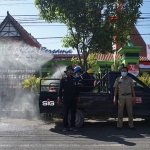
<point>148,51</point>
<point>133,69</point>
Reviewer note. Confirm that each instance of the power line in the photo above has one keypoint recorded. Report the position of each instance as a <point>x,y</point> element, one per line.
<point>36,24</point>
<point>43,38</point>
<point>50,25</point>
<point>17,4</point>
<point>38,15</point>
<point>62,36</point>
<point>38,20</point>
<point>13,0</point>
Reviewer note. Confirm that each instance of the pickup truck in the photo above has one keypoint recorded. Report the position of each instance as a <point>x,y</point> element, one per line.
<point>97,104</point>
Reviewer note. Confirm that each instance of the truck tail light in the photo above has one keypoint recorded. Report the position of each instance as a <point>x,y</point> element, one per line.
<point>52,89</point>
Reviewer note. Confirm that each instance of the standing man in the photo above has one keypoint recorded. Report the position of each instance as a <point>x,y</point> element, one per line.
<point>125,88</point>
<point>68,92</point>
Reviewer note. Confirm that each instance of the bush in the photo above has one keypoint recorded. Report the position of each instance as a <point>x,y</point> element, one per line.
<point>32,83</point>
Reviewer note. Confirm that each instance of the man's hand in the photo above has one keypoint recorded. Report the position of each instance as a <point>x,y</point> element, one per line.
<point>80,84</point>
<point>78,99</point>
<point>114,100</point>
<point>134,100</point>
<point>58,100</point>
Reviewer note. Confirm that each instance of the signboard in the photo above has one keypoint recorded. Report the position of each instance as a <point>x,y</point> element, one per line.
<point>148,51</point>
<point>133,69</point>
<point>13,49</point>
<point>26,54</point>
<point>55,51</point>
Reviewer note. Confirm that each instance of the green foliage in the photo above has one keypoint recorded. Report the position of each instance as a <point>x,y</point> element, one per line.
<point>32,83</point>
<point>145,80</point>
<point>91,61</point>
<point>88,22</point>
<point>75,60</point>
<point>117,66</point>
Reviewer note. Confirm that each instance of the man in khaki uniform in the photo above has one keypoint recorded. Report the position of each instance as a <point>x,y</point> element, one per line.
<point>124,86</point>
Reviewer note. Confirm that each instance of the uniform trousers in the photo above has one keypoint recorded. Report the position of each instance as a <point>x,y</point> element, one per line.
<point>69,105</point>
<point>125,100</point>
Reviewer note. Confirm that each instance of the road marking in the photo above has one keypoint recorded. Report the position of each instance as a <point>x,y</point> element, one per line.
<point>62,145</point>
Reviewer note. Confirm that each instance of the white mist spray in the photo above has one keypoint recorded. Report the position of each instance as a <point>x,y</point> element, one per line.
<point>54,79</point>
<point>17,62</point>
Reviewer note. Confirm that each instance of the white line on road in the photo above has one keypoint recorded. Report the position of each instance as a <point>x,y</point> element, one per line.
<point>61,145</point>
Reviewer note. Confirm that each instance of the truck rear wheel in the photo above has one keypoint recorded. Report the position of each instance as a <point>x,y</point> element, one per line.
<point>79,118</point>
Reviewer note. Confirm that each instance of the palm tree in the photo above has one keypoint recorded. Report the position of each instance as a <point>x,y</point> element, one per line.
<point>32,83</point>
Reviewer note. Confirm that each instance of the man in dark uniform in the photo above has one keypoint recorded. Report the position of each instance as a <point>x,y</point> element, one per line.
<point>68,90</point>
<point>124,86</point>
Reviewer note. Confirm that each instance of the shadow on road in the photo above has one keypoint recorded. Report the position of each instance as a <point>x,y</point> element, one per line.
<point>106,131</point>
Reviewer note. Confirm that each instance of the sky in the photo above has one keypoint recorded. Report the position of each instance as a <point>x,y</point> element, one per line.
<point>44,32</point>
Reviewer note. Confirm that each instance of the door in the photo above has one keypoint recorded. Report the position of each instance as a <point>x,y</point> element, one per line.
<point>142,107</point>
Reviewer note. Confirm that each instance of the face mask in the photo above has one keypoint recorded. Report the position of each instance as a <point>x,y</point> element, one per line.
<point>123,74</point>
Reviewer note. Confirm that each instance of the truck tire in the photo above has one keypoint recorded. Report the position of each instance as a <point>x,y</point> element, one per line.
<point>79,118</point>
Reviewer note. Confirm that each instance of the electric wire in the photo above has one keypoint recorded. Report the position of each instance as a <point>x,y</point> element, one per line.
<point>35,21</point>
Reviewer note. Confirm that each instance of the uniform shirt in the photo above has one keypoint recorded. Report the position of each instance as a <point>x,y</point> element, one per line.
<point>68,88</point>
<point>124,85</point>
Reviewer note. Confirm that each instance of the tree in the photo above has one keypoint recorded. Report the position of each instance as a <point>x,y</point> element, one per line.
<point>117,66</point>
<point>32,88</point>
<point>91,60</point>
<point>92,24</point>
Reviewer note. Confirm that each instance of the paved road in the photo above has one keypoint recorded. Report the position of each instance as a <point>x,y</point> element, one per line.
<point>17,134</point>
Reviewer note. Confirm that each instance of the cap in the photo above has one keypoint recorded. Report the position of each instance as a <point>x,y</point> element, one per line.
<point>69,67</point>
<point>90,71</point>
<point>77,68</point>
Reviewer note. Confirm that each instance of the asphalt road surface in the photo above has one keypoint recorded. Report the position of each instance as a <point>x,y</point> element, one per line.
<point>22,134</point>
